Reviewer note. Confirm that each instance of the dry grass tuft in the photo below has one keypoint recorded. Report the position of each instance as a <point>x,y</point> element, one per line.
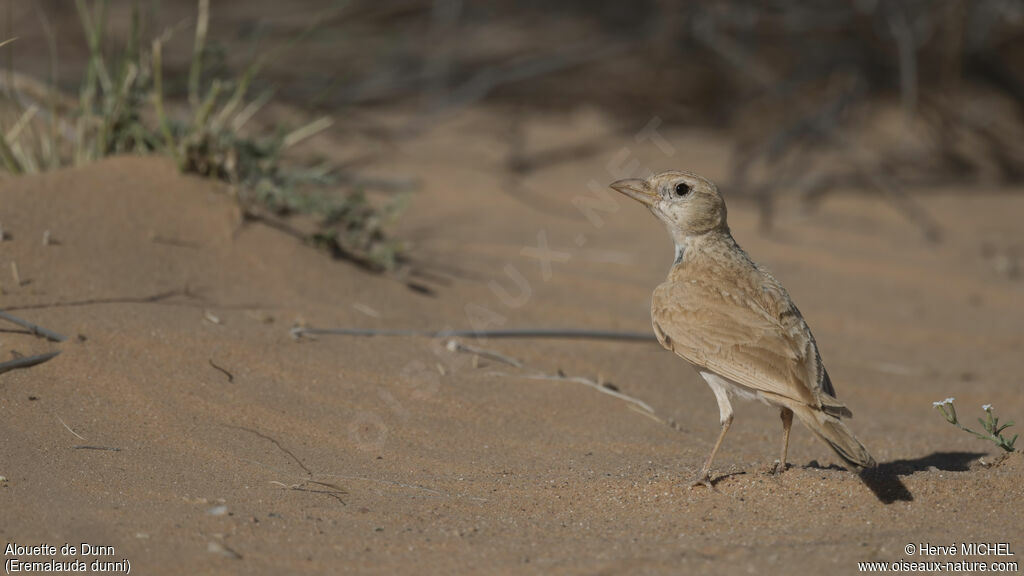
<point>121,109</point>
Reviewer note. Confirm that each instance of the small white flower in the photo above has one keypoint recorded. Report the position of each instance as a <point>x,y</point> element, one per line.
<point>943,403</point>
<point>986,407</point>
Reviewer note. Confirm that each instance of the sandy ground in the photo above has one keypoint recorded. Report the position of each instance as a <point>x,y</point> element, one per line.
<point>242,450</point>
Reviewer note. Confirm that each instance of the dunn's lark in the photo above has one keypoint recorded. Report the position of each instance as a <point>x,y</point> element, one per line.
<point>734,322</point>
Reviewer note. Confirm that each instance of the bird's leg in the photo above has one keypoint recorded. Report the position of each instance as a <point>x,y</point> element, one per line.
<point>787,422</point>
<point>704,478</point>
<point>720,387</point>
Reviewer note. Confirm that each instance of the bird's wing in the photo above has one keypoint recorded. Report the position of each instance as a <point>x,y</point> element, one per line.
<point>749,333</point>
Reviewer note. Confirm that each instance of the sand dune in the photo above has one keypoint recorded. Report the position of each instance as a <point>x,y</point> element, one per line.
<point>242,450</point>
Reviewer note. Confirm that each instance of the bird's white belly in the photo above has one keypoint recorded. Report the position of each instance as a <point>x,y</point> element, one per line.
<point>723,388</point>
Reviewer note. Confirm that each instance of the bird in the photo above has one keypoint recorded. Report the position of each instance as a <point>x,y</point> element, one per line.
<point>734,322</point>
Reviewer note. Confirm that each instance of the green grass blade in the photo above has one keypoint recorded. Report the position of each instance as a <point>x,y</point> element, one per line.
<point>7,156</point>
<point>158,102</point>
<point>196,68</point>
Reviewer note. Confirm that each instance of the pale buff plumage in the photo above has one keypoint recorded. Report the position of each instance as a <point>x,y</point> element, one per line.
<point>733,321</point>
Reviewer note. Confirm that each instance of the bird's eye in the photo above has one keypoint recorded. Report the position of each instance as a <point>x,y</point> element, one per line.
<point>682,189</point>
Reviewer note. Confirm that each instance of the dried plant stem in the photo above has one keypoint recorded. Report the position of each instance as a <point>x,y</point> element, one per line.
<point>68,428</point>
<point>37,330</point>
<point>22,122</point>
<point>26,362</point>
<point>566,334</point>
<point>588,382</point>
<point>307,131</point>
<point>456,346</point>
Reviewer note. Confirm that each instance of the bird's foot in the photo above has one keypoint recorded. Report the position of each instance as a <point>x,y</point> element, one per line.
<point>778,468</point>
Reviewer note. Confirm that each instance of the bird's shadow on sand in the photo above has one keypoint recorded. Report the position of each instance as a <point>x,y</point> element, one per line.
<point>884,479</point>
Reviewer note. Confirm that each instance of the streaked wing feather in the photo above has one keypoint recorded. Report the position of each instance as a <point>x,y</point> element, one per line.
<point>762,345</point>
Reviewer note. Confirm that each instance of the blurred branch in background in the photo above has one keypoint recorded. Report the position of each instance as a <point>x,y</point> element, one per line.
<point>827,83</point>
<point>867,95</point>
<point>872,95</point>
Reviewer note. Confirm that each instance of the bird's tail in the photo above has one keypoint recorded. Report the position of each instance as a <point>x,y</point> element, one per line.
<point>835,434</point>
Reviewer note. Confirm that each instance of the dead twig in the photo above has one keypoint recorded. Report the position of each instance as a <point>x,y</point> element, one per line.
<point>34,329</point>
<point>154,299</point>
<point>275,443</point>
<point>87,447</point>
<point>26,362</point>
<point>327,489</point>
<point>391,483</point>
<point>456,346</point>
<point>586,382</point>
<point>68,428</point>
<point>231,377</point>
<point>566,334</point>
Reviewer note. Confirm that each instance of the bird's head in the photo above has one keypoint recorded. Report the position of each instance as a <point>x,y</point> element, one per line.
<point>687,203</point>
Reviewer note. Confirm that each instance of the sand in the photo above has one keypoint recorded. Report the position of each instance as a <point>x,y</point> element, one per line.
<point>183,426</point>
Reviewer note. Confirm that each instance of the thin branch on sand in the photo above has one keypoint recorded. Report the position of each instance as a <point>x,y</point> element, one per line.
<point>325,488</point>
<point>586,382</point>
<point>273,441</point>
<point>154,299</point>
<point>65,425</point>
<point>36,330</point>
<point>230,376</point>
<point>391,483</point>
<point>455,346</point>
<point>26,362</point>
<point>101,448</point>
<point>562,334</point>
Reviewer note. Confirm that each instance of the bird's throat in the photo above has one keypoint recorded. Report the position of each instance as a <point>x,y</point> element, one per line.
<point>691,247</point>
<point>684,245</point>
<point>680,253</point>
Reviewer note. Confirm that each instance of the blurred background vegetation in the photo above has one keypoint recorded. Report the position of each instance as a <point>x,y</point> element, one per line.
<point>874,95</point>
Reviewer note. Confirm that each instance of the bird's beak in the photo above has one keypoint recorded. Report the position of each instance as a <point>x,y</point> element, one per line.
<point>636,189</point>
